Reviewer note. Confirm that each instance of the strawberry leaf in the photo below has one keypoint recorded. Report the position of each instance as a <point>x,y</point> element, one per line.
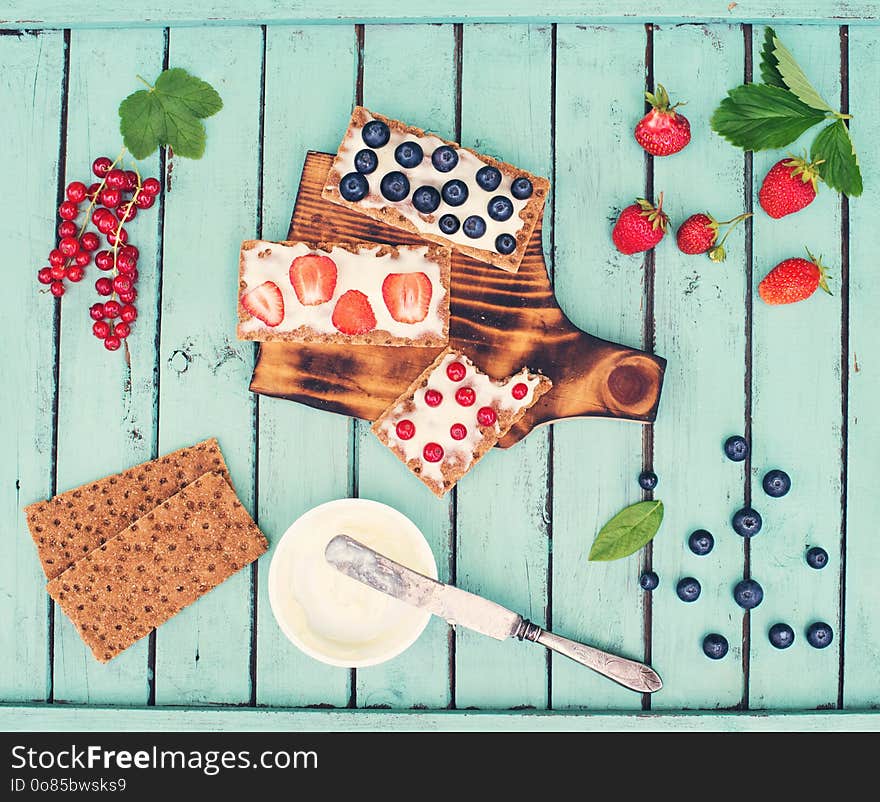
<point>758,117</point>
<point>627,531</point>
<point>839,165</point>
<point>769,63</point>
<point>795,78</point>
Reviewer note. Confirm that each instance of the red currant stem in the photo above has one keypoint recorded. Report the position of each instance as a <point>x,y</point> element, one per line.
<point>145,82</point>
<point>134,197</point>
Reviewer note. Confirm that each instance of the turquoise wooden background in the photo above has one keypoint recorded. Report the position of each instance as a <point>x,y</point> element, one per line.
<point>559,96</point>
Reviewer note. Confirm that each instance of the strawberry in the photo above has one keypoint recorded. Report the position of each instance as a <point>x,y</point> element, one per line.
<point>699,233</point>
<point>662,131</point>
<point>313,278</point>
<point>265,302</point>
<point>790,185</point>
<point>353,313</point>
<point>793,280</point>
<point>407,296</point>
<point>640,226</point>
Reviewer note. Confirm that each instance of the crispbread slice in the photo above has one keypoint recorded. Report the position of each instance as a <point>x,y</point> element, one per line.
<point>71,524</point>
<point>158,565</point>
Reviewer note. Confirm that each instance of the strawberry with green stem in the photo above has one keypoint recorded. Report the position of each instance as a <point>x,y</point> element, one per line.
<point>662,131</point>
<point>790,185</point>
<point>640,226</point>
<point>699,233</point>
<point>794,280</point>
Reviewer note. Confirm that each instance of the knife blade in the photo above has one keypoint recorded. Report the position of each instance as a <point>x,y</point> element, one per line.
<point>459,607</point>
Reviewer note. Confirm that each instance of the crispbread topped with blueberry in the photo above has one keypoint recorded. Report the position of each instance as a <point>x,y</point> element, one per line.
<point>407,178</point>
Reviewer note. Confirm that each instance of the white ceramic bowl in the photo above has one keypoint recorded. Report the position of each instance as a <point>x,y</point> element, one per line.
<point>331,617</point>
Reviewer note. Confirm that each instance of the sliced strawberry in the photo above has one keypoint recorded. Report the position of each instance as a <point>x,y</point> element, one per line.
<point>313,278</point>
<point>265,302</point>
<point>407,296</point>
<point>353,313</point>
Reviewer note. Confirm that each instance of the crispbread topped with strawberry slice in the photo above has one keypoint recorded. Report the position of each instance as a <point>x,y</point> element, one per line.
<point>352,292</point>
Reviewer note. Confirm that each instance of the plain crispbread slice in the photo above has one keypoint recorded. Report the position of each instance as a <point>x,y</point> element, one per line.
<point>71,524</point>
<point>158,565</point>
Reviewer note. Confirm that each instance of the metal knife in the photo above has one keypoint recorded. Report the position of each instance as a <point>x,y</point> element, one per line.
<point>459,607</point>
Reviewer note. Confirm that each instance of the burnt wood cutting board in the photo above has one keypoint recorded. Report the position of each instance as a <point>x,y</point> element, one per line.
<point>502,320</point>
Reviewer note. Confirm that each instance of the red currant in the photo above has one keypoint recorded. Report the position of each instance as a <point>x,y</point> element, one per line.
<point>75,273</point>
<point>92,191</point>
<point>110,197</point>
<point>432,452</point>
<point>519,391</point>
<point>90,241</point>
<point>465,396</point>
<point>76,192</point>
<point>57,289</point>
<point>67,229</point>
<point>456,371</point>
<point>68,246</point>
<point>127,297</point>
<point>126,211</point>
<point>486,416</point>
<point>458,431</point>
<point>124,263</point>
<point>133,275</point>
<point>56,258</point>
<point>104,260</point>
<point>100,328</point>
<point>144,200</point>
<point>115,179</point>
<point>129,314</point>
<point>130,251</point>
<point>68,211</point>
<point>58,273</point>
<point>433,398</point>
<point>82,258</point>
<point>112,309</point>
<point>104,286</point>
<point>122,284</point>
<point>96,311</point>
<point>131,179</point>
<point>118,237</point>
<point>101,166</point>
<point>44,275</point>
<point>122,330</point>
<point>100,213</point>
<point>106,224</point>
<point>112,343</point>
<point>152,186</point>
<point>406,429</point>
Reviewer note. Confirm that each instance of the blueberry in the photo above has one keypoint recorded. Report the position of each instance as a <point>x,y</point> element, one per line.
<point>521,188</point>
<point>455,192</point>
<point>748,594</point>
<point>353,187</point>
<point>776,483</point>
<point>375,134</point>
<point>444,159</point>
<point>449,224</point>
<point>505,244</point>
<point>489,178</point>
<point>715,646</point>
<point>817,557</point>
<point>649,580</point>
<point>820,635</point>
<point>736,448</point>
<point>474,226</point>
<point>426,199</point>
<point>365,161</point>
<point>408,154</point>
<point>781,636</point>
<point>701,542</point>
<point>746,522</point>
<point>688,589</point>
<point>648,480</point>
<point>395,186</point>
<point>500,208</point>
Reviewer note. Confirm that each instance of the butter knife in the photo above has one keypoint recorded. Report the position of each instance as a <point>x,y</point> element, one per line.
<point>459,607</point>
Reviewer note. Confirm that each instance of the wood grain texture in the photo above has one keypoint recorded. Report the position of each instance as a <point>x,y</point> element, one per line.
<point>797,425</point>
<point>420,676</point>
<point>303,454</point>
<point>31,79</point>
<point>599,82</point>
<point>203,654</point>
<point>106,413</point>
<point>862,637</point>
<point>700,318</point>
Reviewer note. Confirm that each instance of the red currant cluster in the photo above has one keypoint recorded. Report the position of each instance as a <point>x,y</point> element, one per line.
<point>112,201</point>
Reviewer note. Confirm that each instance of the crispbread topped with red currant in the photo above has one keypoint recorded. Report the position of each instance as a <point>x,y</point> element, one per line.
<point>452,414</point>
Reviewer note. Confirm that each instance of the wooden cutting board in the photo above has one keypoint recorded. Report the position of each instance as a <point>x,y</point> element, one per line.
<point>502,320</point>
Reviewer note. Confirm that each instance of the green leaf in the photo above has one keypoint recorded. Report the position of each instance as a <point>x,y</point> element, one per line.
<point>627,531</point>
<point>758,116</point>
<point>142,123</point>
<point>769,69</point>
<point>839,166</point>
<point>199,97</point>
<point>795,79</point>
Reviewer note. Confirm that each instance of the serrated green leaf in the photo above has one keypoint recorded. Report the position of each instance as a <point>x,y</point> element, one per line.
<point>839,166</point>
<point>758,117</point>
<point>196,95</point>
<point>795,78</point>
<point>769,69</point>
<point>184,133</point>
<point>142,123</point>
<point>627,531</point>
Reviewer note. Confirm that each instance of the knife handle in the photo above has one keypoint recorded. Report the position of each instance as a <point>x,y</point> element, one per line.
<point>629,673</point>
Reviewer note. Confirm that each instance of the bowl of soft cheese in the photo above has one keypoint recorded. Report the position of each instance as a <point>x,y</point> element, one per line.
<point>330,616</point>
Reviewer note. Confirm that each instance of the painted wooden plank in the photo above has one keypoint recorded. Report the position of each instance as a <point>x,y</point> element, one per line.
<point>31,82</point>
<point>55,13</point>
<point>862,645</point>
<point>503,505</point>
<point>599,82</point>
<point>797,425</point>
<point>84,719</point>
<point>700,329</point>
<point>392,77</point>
<point>303,453</point>
<point>202,655</point>
<point>106,411</point>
